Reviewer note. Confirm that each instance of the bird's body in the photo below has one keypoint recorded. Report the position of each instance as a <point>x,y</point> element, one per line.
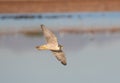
<point>52,45</point>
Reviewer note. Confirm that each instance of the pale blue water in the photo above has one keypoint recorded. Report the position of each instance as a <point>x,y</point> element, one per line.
<point>92,61</point>
<point>91,58</point>
<point>61,20</point>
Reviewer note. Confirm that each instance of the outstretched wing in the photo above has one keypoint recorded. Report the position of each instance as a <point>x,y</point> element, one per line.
<point>60,56</point>
<point>50,37</point>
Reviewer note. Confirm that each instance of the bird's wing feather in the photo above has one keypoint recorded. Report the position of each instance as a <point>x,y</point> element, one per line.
<point>50,37</point>
<point>60,56</point>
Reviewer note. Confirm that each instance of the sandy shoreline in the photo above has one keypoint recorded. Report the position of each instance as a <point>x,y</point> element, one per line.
<point>38,6</point>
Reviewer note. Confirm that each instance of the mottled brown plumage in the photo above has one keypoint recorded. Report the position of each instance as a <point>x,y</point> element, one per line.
<point>52,45</point>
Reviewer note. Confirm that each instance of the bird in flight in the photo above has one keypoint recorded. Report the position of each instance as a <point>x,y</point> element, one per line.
<point>52,45</point>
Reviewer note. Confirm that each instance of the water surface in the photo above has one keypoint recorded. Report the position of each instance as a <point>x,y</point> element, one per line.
<point>91,58</point>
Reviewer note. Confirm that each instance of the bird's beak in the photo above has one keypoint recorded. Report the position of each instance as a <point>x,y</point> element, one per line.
<point>43,47</point>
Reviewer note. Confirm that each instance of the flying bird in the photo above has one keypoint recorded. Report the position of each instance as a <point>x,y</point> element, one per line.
<point>52,45</point>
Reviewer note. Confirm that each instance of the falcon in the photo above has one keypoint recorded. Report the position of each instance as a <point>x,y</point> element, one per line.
<point>52,45</point>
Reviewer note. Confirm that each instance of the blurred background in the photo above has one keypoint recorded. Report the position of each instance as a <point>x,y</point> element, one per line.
<point>89,30</point>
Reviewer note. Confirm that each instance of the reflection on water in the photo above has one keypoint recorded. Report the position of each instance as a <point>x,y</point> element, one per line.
<point>93,58</point>
<point>70,41</point>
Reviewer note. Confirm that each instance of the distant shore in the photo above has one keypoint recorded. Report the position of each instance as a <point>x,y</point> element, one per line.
<point>38,6</point>
<point>36,32</point>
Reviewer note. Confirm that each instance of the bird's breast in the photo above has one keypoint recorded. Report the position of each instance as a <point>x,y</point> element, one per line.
<point>53,47</point>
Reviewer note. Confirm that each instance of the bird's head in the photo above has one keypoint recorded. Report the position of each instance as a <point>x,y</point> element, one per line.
<point>60,46</point>
<point>43,47</point>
